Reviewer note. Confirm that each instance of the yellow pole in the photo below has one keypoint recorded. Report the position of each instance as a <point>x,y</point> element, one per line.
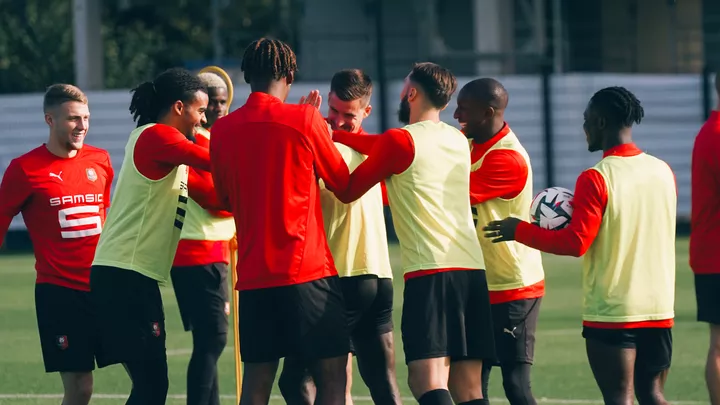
<point>236,325</point>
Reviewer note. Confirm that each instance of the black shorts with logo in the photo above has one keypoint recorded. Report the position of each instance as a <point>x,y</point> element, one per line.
<point>515,323</point>
<point>130,316</point>
<point>66,325</point>
<point>654,346</point>
<point>306,321</point>
<point>448,314</point>
<point>707,288</point>
<point>202,296</point>
<point>368,305</point>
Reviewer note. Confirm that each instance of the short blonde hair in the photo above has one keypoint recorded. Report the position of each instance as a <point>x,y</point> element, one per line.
<point>212,81</point>
<point>60,93</point>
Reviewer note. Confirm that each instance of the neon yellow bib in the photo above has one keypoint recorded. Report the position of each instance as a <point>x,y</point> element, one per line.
<point>428,201</point>
<point>356,232</point>
<point>629,271</point>
<point>510,265</point>
<point>146,216</point>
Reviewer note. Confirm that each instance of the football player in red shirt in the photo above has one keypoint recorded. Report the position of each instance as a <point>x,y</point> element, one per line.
<point>62,190</point>
<point>267,158</point>
<point>365,274</point>
<point>705,238</point>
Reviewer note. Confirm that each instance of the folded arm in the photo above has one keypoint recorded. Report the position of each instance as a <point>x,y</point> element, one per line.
<point>161,148</point>
<point>503,174</point>
<point>362,143</point>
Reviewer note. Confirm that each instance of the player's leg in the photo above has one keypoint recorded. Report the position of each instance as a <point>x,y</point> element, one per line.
<point>611,354</point>
<point>131,326</point>
<point>262,343</point>
<point>652,364</point>
<point>424,329</point>
<point>516,347</point>
<point>318,327</point>
<point>295,383</point>
<point>471,316</point>
<point>708,311</point>
<point>374,343</point>
<point>202,295</point>
<point>66,328</point>
<point>487,369</point>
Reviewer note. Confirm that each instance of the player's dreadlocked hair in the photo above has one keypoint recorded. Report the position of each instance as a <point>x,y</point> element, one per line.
<point>268,59</point>
<point>150,99</point>
<point>619,106</point>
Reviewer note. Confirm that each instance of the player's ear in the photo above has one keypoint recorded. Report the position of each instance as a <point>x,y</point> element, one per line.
<point>489,112</point>
<point>290,78</point>
<point>367,111</point>
<point>48,119</point>
<point>178,107</point>
<point>601,122</point>
<point>412,93</point>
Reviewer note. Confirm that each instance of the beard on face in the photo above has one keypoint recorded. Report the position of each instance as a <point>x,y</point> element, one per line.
<point>404,111</point>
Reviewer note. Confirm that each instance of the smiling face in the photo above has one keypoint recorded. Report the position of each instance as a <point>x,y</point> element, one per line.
<point>69,123</point>
<point>217,105</point>
<point>475,118</point>
<point>347,115</point>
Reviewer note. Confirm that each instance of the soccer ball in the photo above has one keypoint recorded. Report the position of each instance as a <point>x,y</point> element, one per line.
<point>552,208</point>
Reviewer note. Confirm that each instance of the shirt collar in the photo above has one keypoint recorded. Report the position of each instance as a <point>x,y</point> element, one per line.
<point>628,149</point>
<point>483,147</point>
<point>262,98</point>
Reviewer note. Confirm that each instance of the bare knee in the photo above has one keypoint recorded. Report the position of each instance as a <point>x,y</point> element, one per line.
<point>330,376</point>
<point>78,388</point>
<point>428,375</point>
<point>465,380</point>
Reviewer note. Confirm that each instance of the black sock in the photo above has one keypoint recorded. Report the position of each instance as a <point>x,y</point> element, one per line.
<point>436,397</point>
<point>483,401</point>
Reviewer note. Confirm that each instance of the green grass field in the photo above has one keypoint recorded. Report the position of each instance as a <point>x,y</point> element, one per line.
<point>560,376</point>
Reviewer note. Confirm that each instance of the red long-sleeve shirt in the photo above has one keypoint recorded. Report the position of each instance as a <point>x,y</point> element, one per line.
<point>267,158</point>
<point>203,252</point>
<point>589,202</point>
<point>502,174</point>
<point>705,210</point>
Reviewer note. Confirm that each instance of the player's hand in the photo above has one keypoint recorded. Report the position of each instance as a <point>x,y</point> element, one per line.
<point>313,98</point>
<point>503,230</point>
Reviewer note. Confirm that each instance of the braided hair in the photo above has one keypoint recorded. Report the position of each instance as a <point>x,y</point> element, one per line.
<point>150,99</point>
<point>619,106</point>
<point>267,59</point>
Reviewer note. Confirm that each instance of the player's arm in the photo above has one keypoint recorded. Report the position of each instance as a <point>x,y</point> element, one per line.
<point>109,176</point>
<point>329,163</point>
<point>362,143</point>
<point>202,190</point>
<point>393,153</point>
<point>161,147</point>
<point>15,191</point>
<point>503,174</point>
<point>589,202</point>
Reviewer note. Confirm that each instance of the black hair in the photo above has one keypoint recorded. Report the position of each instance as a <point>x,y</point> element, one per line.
<point>150,99</point>
<point>267,59</point>
<point>352,84</point>
<point>438,83</point>
<point>619,106</point>
<point>487,91</point>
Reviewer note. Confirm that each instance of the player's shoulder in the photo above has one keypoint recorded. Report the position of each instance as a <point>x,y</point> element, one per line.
<point>34,157</point>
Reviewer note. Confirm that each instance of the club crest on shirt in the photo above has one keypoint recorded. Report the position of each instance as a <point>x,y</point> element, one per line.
<point>156,329</point>
<point>91,175</point>
<point>61,342</point>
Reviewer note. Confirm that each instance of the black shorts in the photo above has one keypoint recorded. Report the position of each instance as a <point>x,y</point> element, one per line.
<point>368,305</point>
<point>130,316</point>
<point>653,345</point>
<point>448,314</point>
<point>305,320</point>
<point>515,323</point>
<point>202,296</point>
<point>707,287</point>
<point>66,324</point>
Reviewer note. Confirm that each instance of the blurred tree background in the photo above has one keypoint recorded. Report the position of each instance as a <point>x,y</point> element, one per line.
<point>141,38</point>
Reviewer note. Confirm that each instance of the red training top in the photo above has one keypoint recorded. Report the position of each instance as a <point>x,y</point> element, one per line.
<point>203,252</point>
<point>705,210</point>
<point>63,203</point>
<point>267,157</point>
<point>503,174</point>
<point>589,202</point>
